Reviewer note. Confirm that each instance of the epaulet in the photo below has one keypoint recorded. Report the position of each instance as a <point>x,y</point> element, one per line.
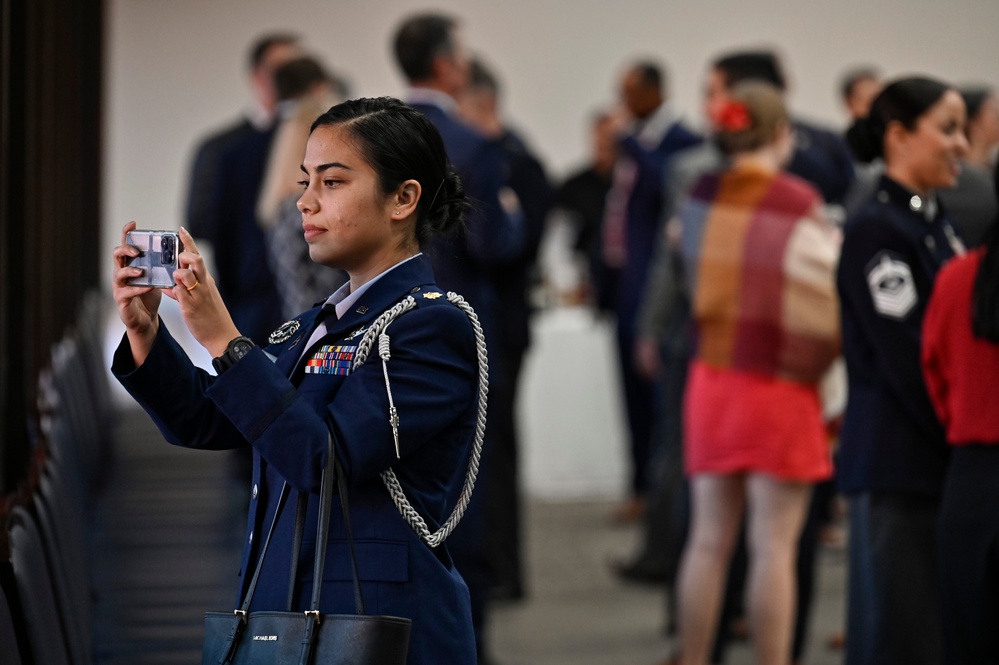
<point>426,295</point>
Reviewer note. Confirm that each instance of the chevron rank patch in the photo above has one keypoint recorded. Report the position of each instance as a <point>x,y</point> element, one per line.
<point>335,359</point>
<point>893,290</point>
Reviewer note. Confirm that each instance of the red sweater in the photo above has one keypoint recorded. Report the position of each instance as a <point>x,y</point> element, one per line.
<point>961,370</point>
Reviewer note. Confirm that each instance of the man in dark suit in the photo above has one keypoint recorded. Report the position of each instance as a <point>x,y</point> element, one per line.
<point>435,62</point>
<point>226,176</point>
<point>512,280</point>
<point>649,136</point>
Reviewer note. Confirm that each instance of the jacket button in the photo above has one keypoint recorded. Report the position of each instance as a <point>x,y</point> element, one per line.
<point>255,490</point>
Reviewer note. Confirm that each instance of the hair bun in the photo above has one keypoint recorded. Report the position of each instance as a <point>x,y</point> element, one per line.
<point>447,207</point>
<point>864,141</point>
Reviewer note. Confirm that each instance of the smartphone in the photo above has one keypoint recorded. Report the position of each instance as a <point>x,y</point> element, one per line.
<point>157,257</point>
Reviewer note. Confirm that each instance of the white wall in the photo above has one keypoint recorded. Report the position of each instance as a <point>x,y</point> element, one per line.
<point>176,69</point>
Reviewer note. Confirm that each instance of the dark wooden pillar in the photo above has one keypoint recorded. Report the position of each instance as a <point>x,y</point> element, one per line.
<point>50,172</point>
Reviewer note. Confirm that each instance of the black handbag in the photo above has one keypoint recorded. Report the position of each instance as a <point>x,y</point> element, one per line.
<point>278,638</point>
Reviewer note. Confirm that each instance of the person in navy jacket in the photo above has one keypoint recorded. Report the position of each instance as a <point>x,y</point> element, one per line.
<point>431,53</point>
<point>377,187</point>
<point>649,135</point>
<point>893,453</point>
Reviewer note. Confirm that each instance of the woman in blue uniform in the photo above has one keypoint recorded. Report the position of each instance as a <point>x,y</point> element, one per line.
<point>377,185</point>
<point>893,453</point>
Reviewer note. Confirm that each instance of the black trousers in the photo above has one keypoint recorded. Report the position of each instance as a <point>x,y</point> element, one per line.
<point>893,600</point>
<point>638,401</point>
<point>968,556</point>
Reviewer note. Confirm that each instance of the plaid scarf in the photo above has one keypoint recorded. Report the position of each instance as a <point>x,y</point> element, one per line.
<point>760,261</point>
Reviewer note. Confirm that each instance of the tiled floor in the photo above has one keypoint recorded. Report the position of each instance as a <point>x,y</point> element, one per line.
<point>580,614</point>
<point>166,547</point>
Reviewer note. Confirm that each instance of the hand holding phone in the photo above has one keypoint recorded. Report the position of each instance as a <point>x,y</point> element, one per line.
<point>158,257</point>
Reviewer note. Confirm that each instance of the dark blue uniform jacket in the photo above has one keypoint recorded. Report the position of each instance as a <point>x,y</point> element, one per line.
<point>891,439</point>
<point>490,237</point>
<point>281,410</point>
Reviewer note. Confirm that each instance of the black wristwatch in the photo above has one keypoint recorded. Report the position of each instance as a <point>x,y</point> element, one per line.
<point>237,348</point>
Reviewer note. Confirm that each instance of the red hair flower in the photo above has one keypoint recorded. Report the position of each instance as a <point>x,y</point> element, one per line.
<point>732,117</point>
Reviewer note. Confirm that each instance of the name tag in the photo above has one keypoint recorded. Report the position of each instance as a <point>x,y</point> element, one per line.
<point>335,360</point>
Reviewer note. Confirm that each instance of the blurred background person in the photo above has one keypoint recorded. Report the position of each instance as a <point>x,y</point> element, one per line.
<point>663,347</point>
<point>305,90</point>
<point>577,219</point>
<point>857,90</point>
<point>971,203</point>
<point>226,176</point>
<point>759,256</point>
<point>431,52</point>
<point>513,280</point>
<point>961,366</point>
<point>649,134</point>
<point>225,181</point>
<point>893,453</point>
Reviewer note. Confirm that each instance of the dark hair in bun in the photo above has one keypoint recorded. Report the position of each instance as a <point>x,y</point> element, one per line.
<point>401,144</point>
<point>904,101</point>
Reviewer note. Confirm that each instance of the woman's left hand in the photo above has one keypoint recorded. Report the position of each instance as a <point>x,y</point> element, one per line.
<point>204,312</point>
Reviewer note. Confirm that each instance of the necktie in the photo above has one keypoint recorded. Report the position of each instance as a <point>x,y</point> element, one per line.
<point>326,315</point>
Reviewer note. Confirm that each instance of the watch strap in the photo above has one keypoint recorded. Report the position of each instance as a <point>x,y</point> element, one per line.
<point>228,357</point>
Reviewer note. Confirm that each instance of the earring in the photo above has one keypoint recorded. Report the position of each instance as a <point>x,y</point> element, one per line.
<point>397,212</point>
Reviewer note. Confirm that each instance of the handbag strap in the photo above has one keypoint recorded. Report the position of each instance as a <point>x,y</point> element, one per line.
<point>322,535</point>
<point>296,545</point>
<point>263,550</point>
<point>322,531</point>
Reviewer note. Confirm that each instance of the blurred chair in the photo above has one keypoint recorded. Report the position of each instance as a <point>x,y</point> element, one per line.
<point>34,584</point>
<point>10,654</point>
<point>63,530</point>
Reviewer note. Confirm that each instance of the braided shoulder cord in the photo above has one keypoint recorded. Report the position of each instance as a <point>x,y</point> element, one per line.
<point>378,331</point>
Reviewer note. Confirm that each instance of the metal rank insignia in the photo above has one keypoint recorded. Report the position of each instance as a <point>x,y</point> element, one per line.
<point>433,295</point>
<point>284,332</point>
<point>356,333</point>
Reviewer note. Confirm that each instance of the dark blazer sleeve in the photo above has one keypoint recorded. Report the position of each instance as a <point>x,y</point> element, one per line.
<point>173,391</point>
<point>493,234</point>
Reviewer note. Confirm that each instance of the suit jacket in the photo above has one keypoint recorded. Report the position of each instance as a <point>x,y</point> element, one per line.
<point>644,214</point>
<point>280,406</point>
<point>512,279</point>
<point>491,235</point>
<point>242,266</point>
<point>201,210</point>
<point>822,158</point>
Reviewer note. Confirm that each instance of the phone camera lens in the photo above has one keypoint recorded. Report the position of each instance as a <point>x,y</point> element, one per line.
<point>167,250</point>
